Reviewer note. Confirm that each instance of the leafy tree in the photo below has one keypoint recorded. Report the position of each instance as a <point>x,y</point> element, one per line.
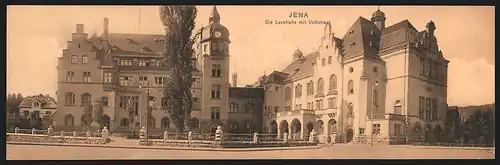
<point>35,120</point>
<point>479,127</point>
<point>178,22</point>
<point>12,112</point>
<point>98,112</point>
<point>87,113</point>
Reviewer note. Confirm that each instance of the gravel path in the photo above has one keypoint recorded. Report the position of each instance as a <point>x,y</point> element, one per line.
<point>38,152</point>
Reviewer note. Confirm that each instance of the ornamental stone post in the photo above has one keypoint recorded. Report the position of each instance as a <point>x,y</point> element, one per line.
<point>88,134</point>
<point>74,133</point>
<point>312,136</point>
<point>333,138</point>
<point>105,132</point>
<point>218,134</point>
<point>255,137</point>
<point>165,136</point>
<point>33,131</point>
<point>16,130</point>
<point>190,136</point>
<point>285,137</point>
<point>50,131</point>
<point>62,133</point>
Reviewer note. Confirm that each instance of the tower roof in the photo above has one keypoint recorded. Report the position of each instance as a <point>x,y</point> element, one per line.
<point>214,16</point>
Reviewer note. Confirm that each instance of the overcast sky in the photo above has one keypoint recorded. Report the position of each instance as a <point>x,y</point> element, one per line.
<point>36,36</point>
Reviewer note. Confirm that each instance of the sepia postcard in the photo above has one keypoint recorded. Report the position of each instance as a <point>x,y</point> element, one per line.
<point>250,82</point>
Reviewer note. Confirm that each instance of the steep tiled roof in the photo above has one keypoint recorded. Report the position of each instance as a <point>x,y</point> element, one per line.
<point>134,43</point>
<point>396,34</point>
<point>356,42</point>
<point>276,77</point>
<point>246,93</point>
<point>302,66</point>
<point>45,102</point>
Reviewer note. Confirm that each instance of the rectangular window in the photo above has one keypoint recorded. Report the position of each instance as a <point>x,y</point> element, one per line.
<point>216,70</point>
<point>215,113</point>
<point>37,113</point>
<point>126,80</point>
<point>74,59</point>
<point>26,113</point>
<point>215,94</point>
<point>160,80</point>
<point>86,77</point>
<point>427,110</point>
<point>205,47</point>
<point>108,77</point>
<point>85,59</point>
<point>70,76</point>
<point>361,131</point>
<point>163,103</point>
<point>376,129</point>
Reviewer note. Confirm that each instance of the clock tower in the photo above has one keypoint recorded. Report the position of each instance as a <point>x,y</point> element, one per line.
<point>213,57</point>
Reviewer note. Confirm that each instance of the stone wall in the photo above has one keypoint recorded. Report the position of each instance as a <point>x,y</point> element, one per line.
<point>29,138</point>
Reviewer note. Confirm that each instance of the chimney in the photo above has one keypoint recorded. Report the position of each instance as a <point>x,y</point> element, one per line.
<point>79,28</point>
<point>235,79</point>
<point>105,26</point>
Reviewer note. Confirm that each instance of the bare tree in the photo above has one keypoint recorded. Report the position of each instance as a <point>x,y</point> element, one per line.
<point>178,22</point>
<point>130,110</point>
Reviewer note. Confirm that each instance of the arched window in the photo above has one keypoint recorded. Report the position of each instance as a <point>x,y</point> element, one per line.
<point>84,121</point>
<point>70,98</point>
<point>333,82</point>
<point>320,85</point>
<point>86,99</point>
<point>350,87</point>
<point>165,122</point>
<point>69,120</point>
<point>124,122</point>
<point>330,60</point>
<point>104,101</point>
<point>193,123</point>
<point>323,61</point>
<point>350,112</point>
<point>397,107</point>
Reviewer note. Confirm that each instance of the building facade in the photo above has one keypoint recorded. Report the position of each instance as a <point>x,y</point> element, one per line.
<point>43,106</point>
<point>375,84</point>
<point>126,73</point>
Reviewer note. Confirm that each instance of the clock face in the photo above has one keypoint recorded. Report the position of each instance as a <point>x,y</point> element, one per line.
<point>217,34</point>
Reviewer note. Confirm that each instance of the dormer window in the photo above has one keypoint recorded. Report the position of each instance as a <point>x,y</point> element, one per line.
<point>353,43</point>
<point>371,32</point>
<point>113,47</point>
<point>371,43</point>
<point>129,40</point>
<point>145,49</point>
<point>351,32</point>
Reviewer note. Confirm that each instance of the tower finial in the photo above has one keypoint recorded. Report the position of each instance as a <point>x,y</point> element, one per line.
<point>378,7</point>
<point>214,16</point>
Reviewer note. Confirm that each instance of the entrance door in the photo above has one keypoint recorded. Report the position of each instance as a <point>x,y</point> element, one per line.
<point>349,134</point>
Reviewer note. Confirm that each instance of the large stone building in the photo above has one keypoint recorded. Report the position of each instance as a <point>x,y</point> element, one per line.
<point>389,82</point>
<point>119,68</point>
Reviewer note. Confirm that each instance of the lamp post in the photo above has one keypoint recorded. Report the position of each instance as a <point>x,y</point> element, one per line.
<point>374,105</point>
<point>147,109</point>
